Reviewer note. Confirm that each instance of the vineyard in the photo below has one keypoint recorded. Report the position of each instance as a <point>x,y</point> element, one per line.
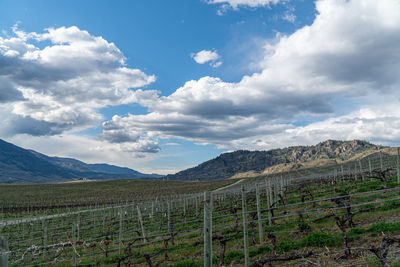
<point>338,215</point>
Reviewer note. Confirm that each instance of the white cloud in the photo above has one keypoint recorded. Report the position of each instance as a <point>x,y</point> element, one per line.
<point>377,124</point>
<point>349,53</point>
<point>60,78</point>
<point>205,56</point>
<point>289,16</point>
<point>216,64</point>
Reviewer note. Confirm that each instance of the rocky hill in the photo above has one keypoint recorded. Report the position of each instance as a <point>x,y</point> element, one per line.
<point>28,166</point>
<point>229,164</point>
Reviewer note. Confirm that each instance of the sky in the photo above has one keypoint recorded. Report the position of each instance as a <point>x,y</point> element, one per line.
<point>160,86</point>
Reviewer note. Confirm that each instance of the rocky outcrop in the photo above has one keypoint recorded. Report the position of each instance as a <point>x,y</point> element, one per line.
<point>230,164</point>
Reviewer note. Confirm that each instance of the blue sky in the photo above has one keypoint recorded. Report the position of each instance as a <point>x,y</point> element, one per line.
<point>159,36</point>
<point>123,82</point>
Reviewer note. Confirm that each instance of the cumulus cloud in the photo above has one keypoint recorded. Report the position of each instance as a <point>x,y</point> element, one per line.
<point>129,141</point>
<point>205,56</point>
<point>378,124</point>
<point>57,80</point>
<point>349,53</point>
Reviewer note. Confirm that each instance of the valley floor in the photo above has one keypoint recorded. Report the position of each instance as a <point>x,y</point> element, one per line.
<point>326,218</point>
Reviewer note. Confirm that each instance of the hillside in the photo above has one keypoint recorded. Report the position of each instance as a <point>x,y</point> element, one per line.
<point>18,165</point>
<point>230,164</point>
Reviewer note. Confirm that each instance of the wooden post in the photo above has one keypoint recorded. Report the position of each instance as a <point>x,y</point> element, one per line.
<point>370,167</point>
<point>44,236</point>
<point>260,228</point>
<point>355,170</point>
<point>3,252</point>
<point>141,224</point>
<point>380,158</point>
<point>31,231</point>
<point>78,226</point>
<point>398,165</point>
<point>269,202</point>
<point>74,243</point>
<point>207,230</point>
<point>361,170</point>
<point>104,220</point>
<point>94,219</point>
<point>245,232</point>
<point>120,232</point>
<point>197,206</point>
<point>152,211</point>
<point>184,210</point>
<point>169,215</point>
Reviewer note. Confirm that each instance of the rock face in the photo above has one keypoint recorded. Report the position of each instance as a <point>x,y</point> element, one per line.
<point>27,166</point>
<point>228,164</point>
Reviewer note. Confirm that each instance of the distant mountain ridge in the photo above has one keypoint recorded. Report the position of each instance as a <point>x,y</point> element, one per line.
<point>229,164</point>
<point>28,166</point>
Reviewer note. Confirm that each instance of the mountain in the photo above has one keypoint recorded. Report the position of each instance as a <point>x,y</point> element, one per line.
<point>229,164</point>
<point>26,166</point>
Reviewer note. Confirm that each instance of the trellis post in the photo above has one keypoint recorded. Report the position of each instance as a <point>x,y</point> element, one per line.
<point>3,252</point>
<point>370,167</point>
<point>169,215</point>
<point>398,165</point>
<point>74,243</point>
<point>269,201</point>
<point>120,231</point>
<point>361,170</point>
<point>152,210</point>
<point>141,224</point>
<point>245,232</point>
<point>207,230</point>
<point>78,227</point>
<point>260,229</point>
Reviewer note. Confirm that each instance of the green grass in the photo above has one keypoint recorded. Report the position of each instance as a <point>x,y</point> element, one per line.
<point>234,256</point>
<point>384,227</point>
<point>320,239</point>
<point>187,263</point>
